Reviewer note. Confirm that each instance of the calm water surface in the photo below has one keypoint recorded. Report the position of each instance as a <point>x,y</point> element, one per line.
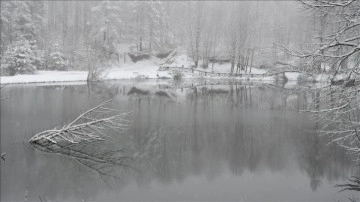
<point>226,142</point>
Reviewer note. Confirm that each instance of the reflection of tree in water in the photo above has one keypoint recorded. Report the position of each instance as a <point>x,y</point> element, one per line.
<point>237,147</point>
<point>255,154</point>
<point>100,156</point>
<point>210,132</point>
<point>311,160</point>
<point>196,136</point>
<point>105,90</point>
<point>204,137</point>
<point>85,139</point>
<point>320,160</point>
<point>317,158</point>
<point>278,128</point>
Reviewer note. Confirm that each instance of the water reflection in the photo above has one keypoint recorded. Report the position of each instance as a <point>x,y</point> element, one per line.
<point>176,135</point>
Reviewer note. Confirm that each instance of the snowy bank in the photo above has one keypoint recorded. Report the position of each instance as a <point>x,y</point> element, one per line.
<point>147,69</point>
<point>45,77</point>
<point>129,71</point>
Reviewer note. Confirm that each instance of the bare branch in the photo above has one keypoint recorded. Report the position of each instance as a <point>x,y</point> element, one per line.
<point>88,126</point>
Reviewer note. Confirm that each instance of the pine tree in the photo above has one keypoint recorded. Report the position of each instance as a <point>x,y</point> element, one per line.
<point>56,60</point>
<point>21,18</point>
<point>22,56</point>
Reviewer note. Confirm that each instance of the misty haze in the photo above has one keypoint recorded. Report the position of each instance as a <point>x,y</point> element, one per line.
<point>180,101</point>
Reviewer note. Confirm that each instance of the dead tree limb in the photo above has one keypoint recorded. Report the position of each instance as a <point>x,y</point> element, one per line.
<point>85,140</point>
<point>91,125</point>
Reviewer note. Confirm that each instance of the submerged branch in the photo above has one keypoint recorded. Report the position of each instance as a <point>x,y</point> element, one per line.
<point>91,125</point>
<point>84,139</point>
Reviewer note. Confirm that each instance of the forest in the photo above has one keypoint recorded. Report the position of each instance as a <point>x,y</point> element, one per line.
<point>67,35</point>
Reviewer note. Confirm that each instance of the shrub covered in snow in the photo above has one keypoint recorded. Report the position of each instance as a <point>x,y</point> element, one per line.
<point>177,74</point>
<point>56,60</point>
<point>21,57</point>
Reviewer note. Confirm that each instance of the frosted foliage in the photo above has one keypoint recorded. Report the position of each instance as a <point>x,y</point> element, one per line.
<point>57,59</point>
<point>20,57</point>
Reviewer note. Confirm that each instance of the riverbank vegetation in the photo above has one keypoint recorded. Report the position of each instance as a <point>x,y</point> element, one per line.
<point>337,106</point>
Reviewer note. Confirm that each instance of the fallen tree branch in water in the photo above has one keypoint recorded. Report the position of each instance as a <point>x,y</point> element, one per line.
<point>85,139</point>
<point>91,125</point>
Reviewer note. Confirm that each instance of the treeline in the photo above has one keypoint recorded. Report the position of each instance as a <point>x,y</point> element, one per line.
<point>81,34</point>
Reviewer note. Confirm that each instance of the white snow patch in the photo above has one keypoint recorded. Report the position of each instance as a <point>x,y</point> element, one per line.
<point>292,76</point>
<point>147,69</point>
<point>46,77</point>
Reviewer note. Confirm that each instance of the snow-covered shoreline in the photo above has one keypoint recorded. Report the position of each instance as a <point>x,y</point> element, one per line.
<point>140,70</point>
<point>148,69</point>
<point>115,74</point>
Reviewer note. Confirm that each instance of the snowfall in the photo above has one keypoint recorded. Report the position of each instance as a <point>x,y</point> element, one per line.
<point>147,69</point>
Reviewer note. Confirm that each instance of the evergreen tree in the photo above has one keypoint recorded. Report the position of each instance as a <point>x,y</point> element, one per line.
<point>56,60</point>
<point>22,56</point>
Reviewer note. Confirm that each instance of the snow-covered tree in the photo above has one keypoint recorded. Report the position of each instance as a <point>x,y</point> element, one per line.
<point>105,25</point>
<point>149,19</point>
<point>56,59</point>
<point>337,27</point>
<point>156,16</point>
<point>337,108</point>
<point>21,57</point>
<point>22,18</point>
<point>195,30</point>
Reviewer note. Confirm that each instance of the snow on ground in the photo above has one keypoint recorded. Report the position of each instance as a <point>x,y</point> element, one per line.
<point>141,70</point>
<point>180,60</point>
<point>145,69</point>
<point>226,68</point>
<point>46,77</point>
<point>292,76</point>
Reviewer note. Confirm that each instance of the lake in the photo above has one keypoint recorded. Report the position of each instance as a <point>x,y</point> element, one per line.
<point>186,141</point>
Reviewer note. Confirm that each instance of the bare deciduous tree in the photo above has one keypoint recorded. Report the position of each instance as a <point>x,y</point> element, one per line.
<point>337,106</point>
<point>340,41</point>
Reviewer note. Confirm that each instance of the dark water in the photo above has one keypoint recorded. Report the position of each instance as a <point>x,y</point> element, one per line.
<point>204,143</point>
